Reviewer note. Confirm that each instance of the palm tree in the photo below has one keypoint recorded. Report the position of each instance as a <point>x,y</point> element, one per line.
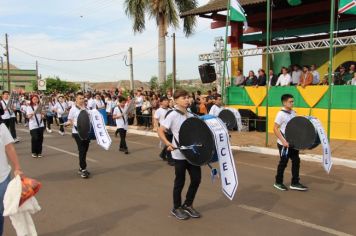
<point>166,14</point>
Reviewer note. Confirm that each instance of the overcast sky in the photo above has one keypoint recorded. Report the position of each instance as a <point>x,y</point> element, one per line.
<point>63,29</point>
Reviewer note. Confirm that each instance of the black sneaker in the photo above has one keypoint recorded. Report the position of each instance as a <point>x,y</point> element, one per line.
<point>126,151</point>
<point>180,214</point>
<point>191,211</point>
<point>281,187</point>
<point>80,171</point>
<point>299,187</point>
<point>85,174</point>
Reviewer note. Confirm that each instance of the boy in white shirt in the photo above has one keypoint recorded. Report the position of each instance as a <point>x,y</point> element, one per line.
<point>286,152</point>
<point>121,118</point>
<point>159,117</point>
<point>217,107</point>
<point>174,121</point>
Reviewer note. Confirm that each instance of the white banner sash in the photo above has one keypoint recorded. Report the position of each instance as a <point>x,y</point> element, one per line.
<point>327,162</point>
<point>101,133</point>
<point>228,173</point>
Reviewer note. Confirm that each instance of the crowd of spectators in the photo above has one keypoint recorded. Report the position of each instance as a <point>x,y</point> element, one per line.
<point>295,76</point>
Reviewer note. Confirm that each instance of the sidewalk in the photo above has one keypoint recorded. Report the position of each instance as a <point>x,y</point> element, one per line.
<point>342,151</point>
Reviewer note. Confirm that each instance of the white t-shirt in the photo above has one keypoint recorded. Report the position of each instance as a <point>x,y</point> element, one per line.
<point>73,116</point>
<point>122,122</point>
<point>23,109</point>
<point>146,105</point>
<point>160,114</point>
<point>215,110</point>
<point>91,104</point>
<point>296,76</point>
<point>32,123</point>
<point>7,114</point>
<point>139,101</point>
<point>282,119</point>
<point>5,139</point>
<point>174,121</point>
<point>109,106</point>
<point>316,77</point>
<point>98,104</point>
<point>61,108</point>
<point>284,80</point>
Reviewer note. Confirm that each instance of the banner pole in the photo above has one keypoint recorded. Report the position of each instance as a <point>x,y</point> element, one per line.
<point>267,63</point>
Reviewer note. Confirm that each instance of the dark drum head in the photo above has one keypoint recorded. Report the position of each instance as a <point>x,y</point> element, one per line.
<point>83,125</point>
<point>195,131</point>
<point>229,119</point>
<point>301,133</point>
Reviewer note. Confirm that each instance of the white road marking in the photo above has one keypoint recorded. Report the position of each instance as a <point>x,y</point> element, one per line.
<point>302,174</point>
<point>294,221</point>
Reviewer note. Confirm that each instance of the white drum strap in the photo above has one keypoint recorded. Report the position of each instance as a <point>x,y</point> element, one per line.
<point>228,171</point>
<point>327,162</point>
<point>101,134</point>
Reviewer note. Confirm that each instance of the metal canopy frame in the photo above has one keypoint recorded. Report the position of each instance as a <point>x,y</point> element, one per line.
<point>274,49</point>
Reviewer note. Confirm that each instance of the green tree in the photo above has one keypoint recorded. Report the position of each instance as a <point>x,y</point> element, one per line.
<point>165,12</point>
<point>153,83</point>
<point>55,84</point>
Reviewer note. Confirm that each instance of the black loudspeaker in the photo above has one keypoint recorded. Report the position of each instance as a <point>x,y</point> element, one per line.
<point>249,118</point>
<point>261,124</point>
<point>207,73</point>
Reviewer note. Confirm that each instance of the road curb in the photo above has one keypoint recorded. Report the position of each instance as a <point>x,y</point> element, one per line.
<point>255,149</point>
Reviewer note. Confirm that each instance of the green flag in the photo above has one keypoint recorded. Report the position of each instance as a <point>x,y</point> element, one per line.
<point>294,2</point>
<point>347,7</point>
<point>237,13</point>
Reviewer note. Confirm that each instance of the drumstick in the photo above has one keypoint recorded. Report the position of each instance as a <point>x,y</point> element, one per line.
<point>190,147</point>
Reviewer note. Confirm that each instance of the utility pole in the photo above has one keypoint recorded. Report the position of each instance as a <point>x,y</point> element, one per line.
<point>174,63</point>
<point>132,85</point>
<point>8,63</point>
<point>2,73</point>
<point>37,70</point>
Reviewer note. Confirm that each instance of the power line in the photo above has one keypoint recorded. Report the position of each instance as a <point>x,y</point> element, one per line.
<point>69,60</point>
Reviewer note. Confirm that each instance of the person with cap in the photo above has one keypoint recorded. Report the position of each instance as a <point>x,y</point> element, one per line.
<point>174,121</point>
<point>217,107</point>
<point>285,151</point>
<point>61,109</point>
<point>121,118</point>
<point>9,117</point>
<point>36,126</point>
<point>83,145</point>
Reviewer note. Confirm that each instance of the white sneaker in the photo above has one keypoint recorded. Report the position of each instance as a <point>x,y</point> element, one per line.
<point>61,133</point>
<point>26,125</point>
<point>47,130</point>
<point>16,140</point>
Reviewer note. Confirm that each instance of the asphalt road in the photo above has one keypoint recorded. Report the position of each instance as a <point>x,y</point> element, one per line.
<point>132,194</point>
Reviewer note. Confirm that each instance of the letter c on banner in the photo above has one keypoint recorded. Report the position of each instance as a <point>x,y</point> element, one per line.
<point>222,151</point>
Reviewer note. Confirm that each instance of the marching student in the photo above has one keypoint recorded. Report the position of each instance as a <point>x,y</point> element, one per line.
<point>159,116</point>
<point>9,117</point>
<point>83,145</point>
<point>50,114</point>
<point>285,151</point>
<point>121,118</point>
<point>217,107</point>
<point>36,127</point>
<point>173,121</point>
<point>61,109</point>
<point>23,111</point>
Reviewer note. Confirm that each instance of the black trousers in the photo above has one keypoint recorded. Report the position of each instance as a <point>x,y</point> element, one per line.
<point>294,156</point>
<point>10,124</point>
<point>61,127</point>
<point>139,116</point>
<point>37,140</point>
<point>83,146</point>
<point>122,133</point>
<point>48,121</point>
<point>146,120</point>
<point>181,166</point>
<point>20,116</point>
